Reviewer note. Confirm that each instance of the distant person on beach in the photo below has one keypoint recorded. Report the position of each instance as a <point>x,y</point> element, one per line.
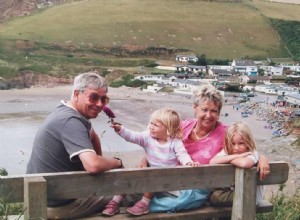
<point>239,150</point>
<point>66,142</point>
<point>203,138</point>
<point>163,146</point>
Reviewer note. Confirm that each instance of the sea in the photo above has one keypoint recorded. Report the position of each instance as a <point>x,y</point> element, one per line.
<point>20,119</point>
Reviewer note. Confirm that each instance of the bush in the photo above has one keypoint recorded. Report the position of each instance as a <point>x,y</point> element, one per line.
<point>3,172</point>
<point>152,65</point>
<point>285,207</point>
<point>9,209</point>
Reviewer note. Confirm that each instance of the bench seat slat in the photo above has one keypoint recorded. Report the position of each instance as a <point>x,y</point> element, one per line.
<point>205,212</point>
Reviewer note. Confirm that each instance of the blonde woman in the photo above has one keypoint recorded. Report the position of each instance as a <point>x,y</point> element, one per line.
<point>163,146</point>
<point>239,150</point>
<point>203,135</point>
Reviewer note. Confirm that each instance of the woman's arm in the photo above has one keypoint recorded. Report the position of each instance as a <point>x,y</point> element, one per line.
<point>263,167</point>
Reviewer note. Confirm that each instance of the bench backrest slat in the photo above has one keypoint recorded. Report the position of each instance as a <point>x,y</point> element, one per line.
<point>81,184</point>
<point>279,173</point>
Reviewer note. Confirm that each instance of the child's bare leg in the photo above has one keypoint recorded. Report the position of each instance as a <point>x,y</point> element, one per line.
<point>113,207</point>
<point>147,198</point>
<point>142,206</point>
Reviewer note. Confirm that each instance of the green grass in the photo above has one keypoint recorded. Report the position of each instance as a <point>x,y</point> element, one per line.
<point>290,34</point>
<point>285,207</point>
<point>9,209</point>
<point>54,60</point>
<point>219,30</point>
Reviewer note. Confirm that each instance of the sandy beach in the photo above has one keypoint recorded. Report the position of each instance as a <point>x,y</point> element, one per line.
<point>133,109</point>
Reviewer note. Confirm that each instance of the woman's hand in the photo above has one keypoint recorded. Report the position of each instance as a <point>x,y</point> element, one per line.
<point>263,167</point>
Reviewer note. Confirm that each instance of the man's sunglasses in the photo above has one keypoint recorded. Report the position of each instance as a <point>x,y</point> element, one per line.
<point>95,98</point>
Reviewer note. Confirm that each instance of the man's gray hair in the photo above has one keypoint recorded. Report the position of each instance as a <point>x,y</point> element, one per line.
<point>210,93</point>
<point>89,80</point>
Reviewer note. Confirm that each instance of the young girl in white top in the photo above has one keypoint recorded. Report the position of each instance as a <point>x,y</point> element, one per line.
<point>239,150</point>
<point>163,146</point>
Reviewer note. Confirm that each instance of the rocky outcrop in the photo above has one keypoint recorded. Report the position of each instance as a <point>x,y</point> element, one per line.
<point>15,8</point>
<point>29,79</point>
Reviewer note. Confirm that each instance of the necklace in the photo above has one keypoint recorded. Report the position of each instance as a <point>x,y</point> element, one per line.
<point>200,138</point>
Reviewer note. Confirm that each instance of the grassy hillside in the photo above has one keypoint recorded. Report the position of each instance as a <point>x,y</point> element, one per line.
<point>124,35</point>
<point>218,29</point>
<point>285,18</point>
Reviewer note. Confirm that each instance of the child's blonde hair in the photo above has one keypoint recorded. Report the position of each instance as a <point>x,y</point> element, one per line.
<point>243,130</point>
<point>169,118</point>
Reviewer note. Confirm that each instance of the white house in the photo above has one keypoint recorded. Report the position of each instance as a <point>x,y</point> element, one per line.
<point>190,68</point>
<point>293,100</point>
<point>247,67</point>
<point>186,58</point>
<point>294,68</point>
<point>243,79</point>
<point>213,69</point>
<point>268,89</point>
<point>220,67</point>
<point>280,90</point>
<point>272,70</point>
<point>185,84</point>
<point>155,78</point>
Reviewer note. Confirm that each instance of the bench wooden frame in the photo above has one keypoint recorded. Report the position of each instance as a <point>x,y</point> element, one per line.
<point>34,189</point>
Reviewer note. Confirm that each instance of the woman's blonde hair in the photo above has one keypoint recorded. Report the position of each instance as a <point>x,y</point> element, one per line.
<point>243,130</point>
<point>210,93</point>
<point>169,118</point>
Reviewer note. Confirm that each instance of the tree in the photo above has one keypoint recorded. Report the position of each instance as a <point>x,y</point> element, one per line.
<point>261,72</point>
<point>202,61</point>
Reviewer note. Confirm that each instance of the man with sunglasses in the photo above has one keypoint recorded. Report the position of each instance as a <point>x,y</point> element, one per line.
<point>66,142</point>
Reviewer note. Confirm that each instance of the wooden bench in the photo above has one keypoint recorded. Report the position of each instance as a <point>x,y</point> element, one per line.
<point>34,189</point>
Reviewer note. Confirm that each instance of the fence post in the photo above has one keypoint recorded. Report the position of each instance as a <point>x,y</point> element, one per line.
<point>244,199</point>
<point>35,198</point>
